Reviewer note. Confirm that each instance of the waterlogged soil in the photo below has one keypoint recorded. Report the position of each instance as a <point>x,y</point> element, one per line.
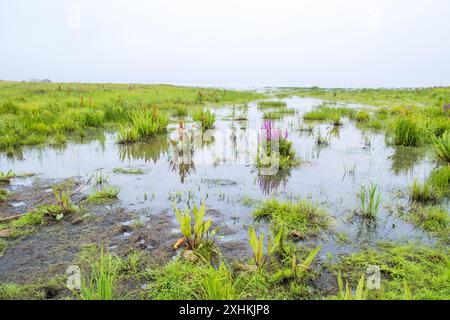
<point>218,167</point>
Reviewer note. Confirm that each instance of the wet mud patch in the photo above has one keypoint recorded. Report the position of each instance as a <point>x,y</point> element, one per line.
<point>24,195</point>
<point>53,246</point>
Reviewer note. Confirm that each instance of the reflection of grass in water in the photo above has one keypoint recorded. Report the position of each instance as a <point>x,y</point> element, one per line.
<point>183,169</point>
<point>148,151</point>
<point>404,159</point>
<point>271,183</point>
<point>128,171</point>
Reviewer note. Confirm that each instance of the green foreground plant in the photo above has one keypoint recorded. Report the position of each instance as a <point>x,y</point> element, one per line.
<point>199,232</point>
<point>257,246</point>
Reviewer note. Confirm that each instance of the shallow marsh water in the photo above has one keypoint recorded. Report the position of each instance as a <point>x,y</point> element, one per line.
<point>224,174</point>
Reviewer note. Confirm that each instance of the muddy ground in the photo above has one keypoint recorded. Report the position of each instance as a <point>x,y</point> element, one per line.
<point>52,247</point>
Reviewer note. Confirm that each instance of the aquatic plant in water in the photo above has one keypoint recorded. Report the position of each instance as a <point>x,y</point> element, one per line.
<point>369,201</point>
<point>303,217</point>
<point>104,194</point>
<point>149,123</point>
<point>127,135</point>
<point>424,193</point>
<point>406,132</point>
<point>269,138</point>
<point>205,117</point>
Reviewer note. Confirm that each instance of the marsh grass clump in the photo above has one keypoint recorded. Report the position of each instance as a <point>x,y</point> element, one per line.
<point>424,269</point>
<point>277,114</point>
<point>14,291</point>
<point>435,220</point>
<point>406,132</point>
<point>180,111</point>
<point>307,127</point>
<point>362,116</point>
<point>104,194</point>
<point>100,281</point>
<point>127,135</point>
<point>440,180</point>
<point>219,284</point>
<point>369,201</point>
<point>271,104</point>
<point>29,219</point>
<point>424,192</point>
<point>328,113</point>
<point>205,117</point>
<point>148,124</point>
<point>294,271</point>
<point>185,280</point>
<point>302,217</point>
<point>442,146</point>
<point>335,120</point>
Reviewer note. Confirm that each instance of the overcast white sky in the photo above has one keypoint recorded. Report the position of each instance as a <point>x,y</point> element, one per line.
<point>239,43</point>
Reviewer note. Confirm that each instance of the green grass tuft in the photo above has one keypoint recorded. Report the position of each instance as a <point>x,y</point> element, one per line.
<point>205,117</point>
<point>302,216</point>
<point>407,132</point>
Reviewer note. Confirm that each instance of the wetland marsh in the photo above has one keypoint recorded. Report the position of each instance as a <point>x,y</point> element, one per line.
<point>92,176</point>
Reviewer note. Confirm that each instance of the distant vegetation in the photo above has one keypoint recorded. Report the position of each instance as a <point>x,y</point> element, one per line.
<point>38,113</point>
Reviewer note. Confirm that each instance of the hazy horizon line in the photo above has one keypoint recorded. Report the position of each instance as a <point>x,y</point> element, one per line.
<point>227,86</point>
